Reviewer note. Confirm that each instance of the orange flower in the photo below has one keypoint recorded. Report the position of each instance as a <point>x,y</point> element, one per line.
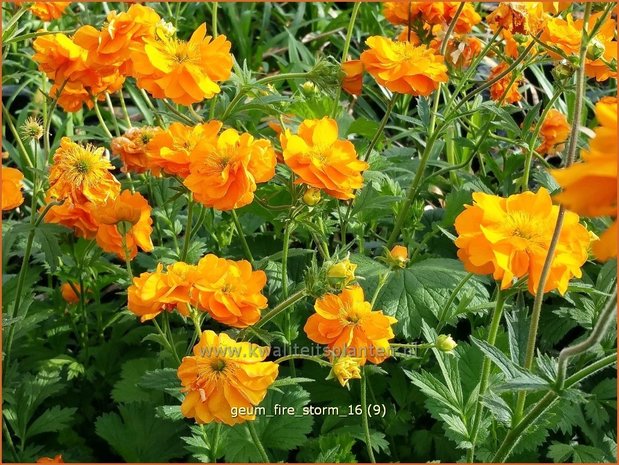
<point>432,13</point>
<point>509,238</point>
<point>81,174</point>
<point>59,57</point>
<point>401,67</point>
<point>589,188</point>
<point>133,148</point>
<point>12,185</point>
<point>502,90</point>
<point>553,132</point>
<point>518,17</point>
<point>408,35</point>
<point>224,173</point>
<point>56,459</point>
<point>76,216</point>
<point>124,223</point>
<point>566,34</point>
<point>69,294</point>
<point>353,80</point>
<point>229,291</point>
<point>606,247</point>
<point>321,160</point>
<point>461,49</point>
<point>184,72</point>
<point>46,11</point>
<point>123,36</point>
<point>556,7</point>
<point>152,293</point>
<point>347,324</point>
<point>224,379</point>
<point>171,150</point>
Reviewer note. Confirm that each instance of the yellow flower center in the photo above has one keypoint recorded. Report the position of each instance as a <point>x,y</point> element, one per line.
<point>403,50</point>
<point>218,365</point>
<point>181,52</point>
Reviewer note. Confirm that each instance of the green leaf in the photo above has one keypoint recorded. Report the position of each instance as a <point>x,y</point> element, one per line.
<point>52,420</point>
<point>421,291</point>
<point>127,388</point>
<point>164,380</point>
<point>280,432</point>
<point>137,435</point>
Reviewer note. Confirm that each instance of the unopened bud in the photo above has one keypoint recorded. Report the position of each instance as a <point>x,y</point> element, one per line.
<point>563,70</point>
<point>397,257</point>
<point>308,88</point>
<point>341,274</point>
<point>445,343</point>
<point>311,197</point>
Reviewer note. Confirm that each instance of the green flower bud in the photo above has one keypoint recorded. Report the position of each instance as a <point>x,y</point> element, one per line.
<point>445,343</point>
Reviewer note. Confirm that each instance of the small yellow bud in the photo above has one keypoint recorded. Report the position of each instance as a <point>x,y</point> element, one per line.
<point>345,369</point>
<point>563,70</point>
<point>311,197</point>
<point>341,274</point>
<point>398,256</point>
<point>445,343</point>
<point>308,88</point>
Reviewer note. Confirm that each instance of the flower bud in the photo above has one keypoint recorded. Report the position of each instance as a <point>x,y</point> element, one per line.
<point>445,343</point>
<point>308,88</point>
<point>341,274</point>
<point>397,257</point>
<point>69,294</point>
<point>311,196</point>
<point>595,49</point>
<point>563,70</point>
<point>345,368</point>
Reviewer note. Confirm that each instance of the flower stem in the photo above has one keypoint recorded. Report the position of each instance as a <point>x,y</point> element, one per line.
<point>515,434</point>
<point>381,127</point>
<point>364,415</point>
<point>239,231</point>
<point>293,299</point>
<point>214,19</point>
<point>257,442</point>
<point>598,332</point>
<point>171,348</point>
<point>571,155</point>
<point>215,442</point>
<point>287,324</point>
<point>382,280</point>
<point>485,371</point>
<point>123,105</point>
<point>100,118</point>
<point>188,228</point>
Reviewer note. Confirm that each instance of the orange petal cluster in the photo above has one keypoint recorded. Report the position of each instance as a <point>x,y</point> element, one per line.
<point>590,186</point>
<point>90,201</point>
<point>184,72</point>
<point>431,13</point>
<point>124,224</point>
<point>321,159</point>
<point>346,323</point>
<point>353,79</point>
<point>504,90</point>
<point>403,67</point>
<point>518,17</point>
<point>565,34</point>
<point>133,148</point>
<point>230,291</point>
<point>12,185</point>
<point>47,11</point>
<point>224,172</point>
<point>171,151</point>
<point>152,293</point>
<point>509,238</point>
<point>93,62</point>
<point>224,379</point>
<point>553,132</point>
